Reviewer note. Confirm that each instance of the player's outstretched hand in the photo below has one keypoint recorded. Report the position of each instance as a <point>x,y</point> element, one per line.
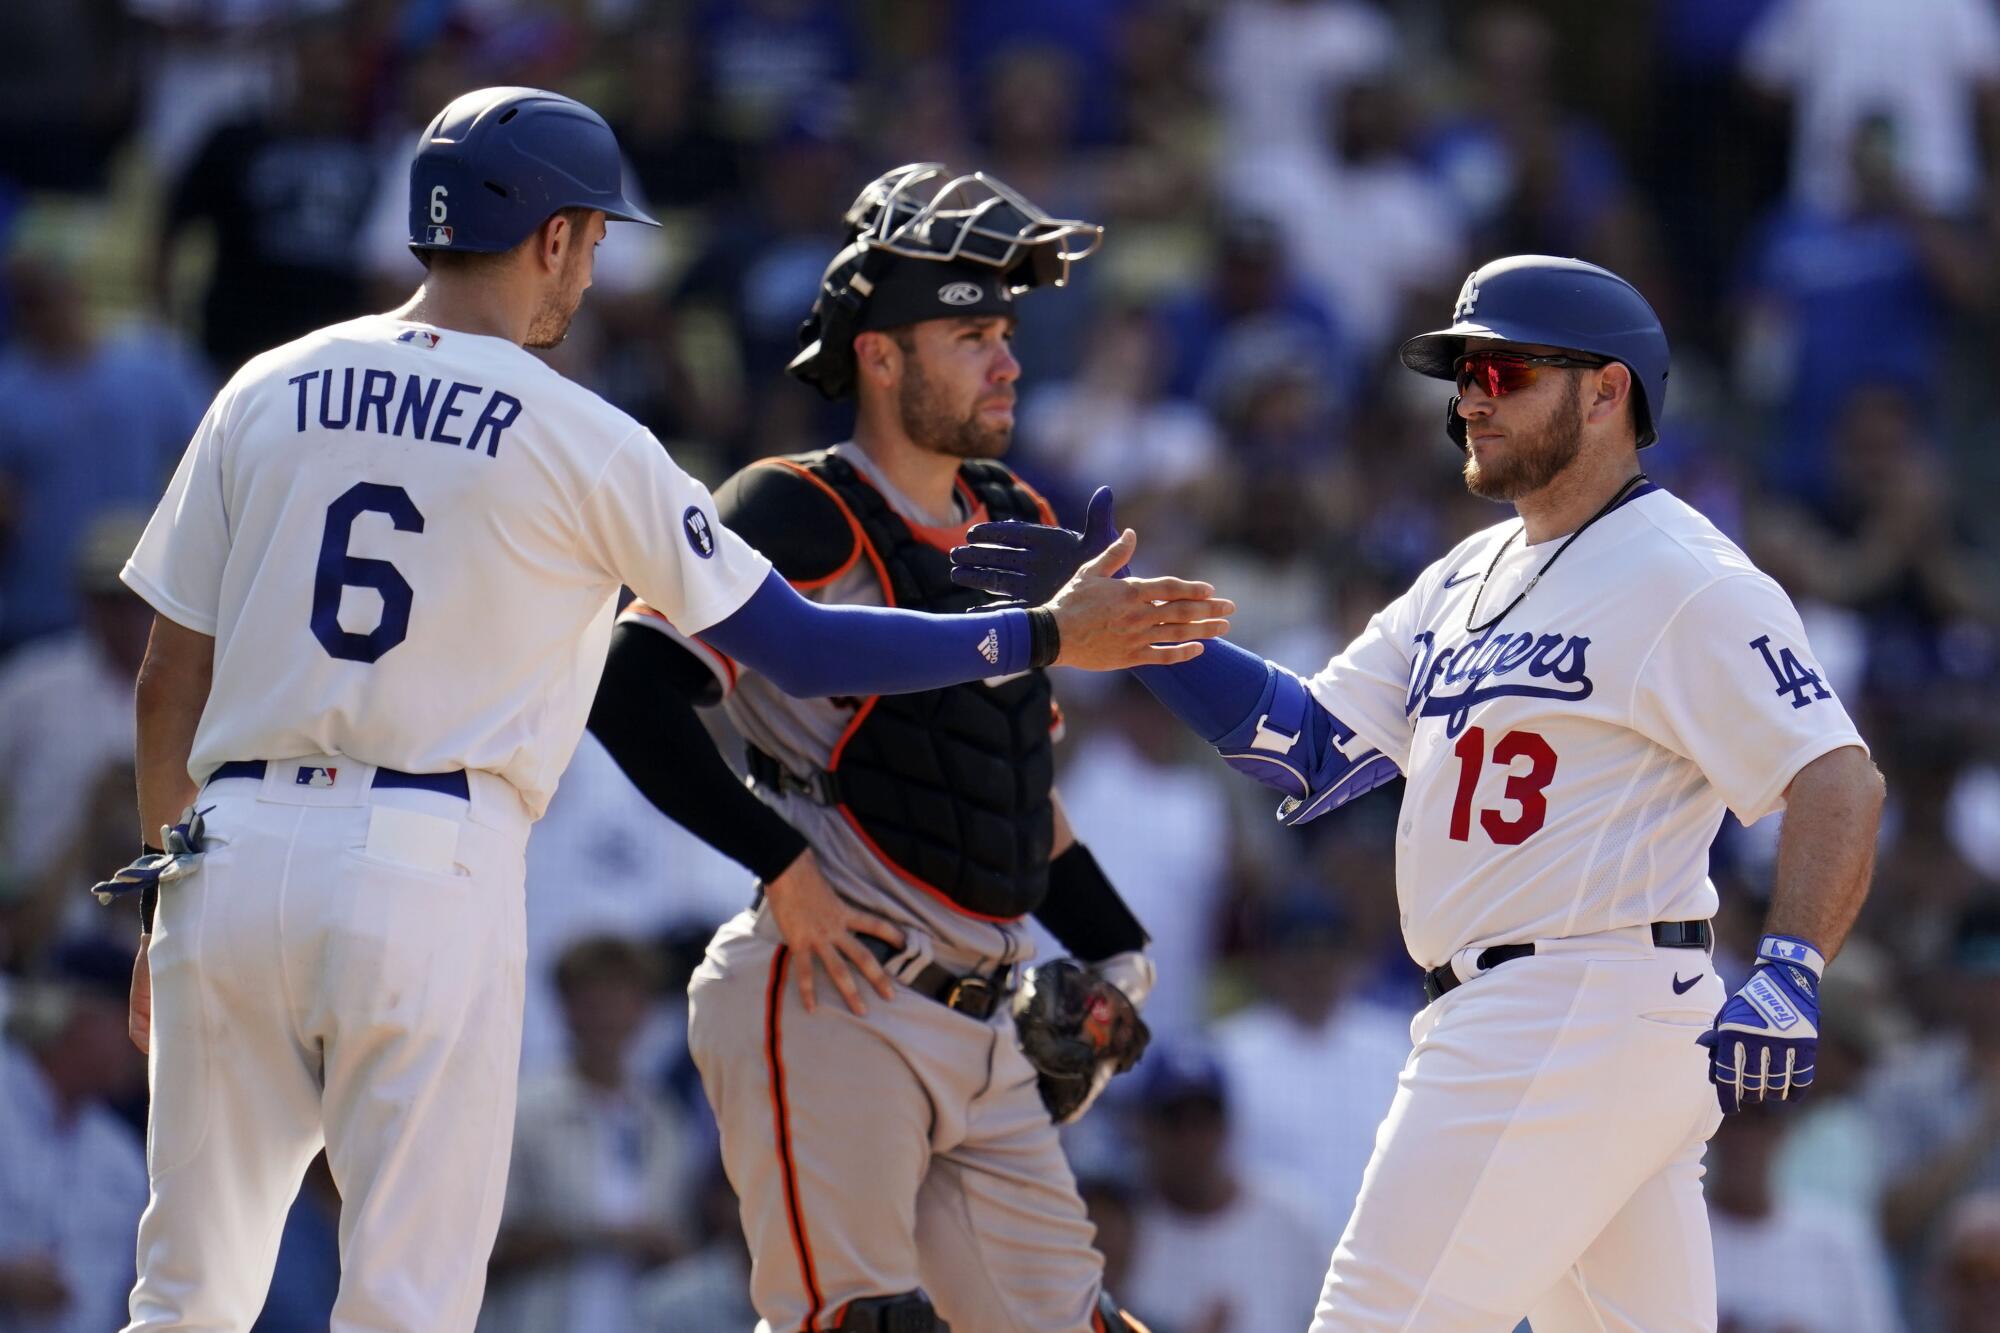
<point>1028,563</point>
<point>1764,1041</point>
<point>819,926</point>
<point>1108,624</point>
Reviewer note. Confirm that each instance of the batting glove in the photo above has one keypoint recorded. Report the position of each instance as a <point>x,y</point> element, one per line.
<point>1765,1039</point>
<point>1029,563</point>
<point>182,844</point>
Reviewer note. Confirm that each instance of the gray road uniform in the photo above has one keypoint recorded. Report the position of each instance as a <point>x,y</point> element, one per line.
<point>908,1150</point>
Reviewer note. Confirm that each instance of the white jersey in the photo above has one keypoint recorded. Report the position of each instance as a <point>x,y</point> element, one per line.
<point>1568,767</point>
<point>407,542</point>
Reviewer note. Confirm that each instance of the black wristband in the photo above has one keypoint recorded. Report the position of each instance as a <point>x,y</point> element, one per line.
<point>149,902</point>
<point>1044,638</point>
<point>1084,912</point>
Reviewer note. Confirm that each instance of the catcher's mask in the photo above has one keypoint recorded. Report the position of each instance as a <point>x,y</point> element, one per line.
<point>980,242</point>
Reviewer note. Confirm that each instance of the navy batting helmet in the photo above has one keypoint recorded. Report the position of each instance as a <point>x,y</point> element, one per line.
<point>924,244</point>
<point>1561,303</point>
<point>499,162</point>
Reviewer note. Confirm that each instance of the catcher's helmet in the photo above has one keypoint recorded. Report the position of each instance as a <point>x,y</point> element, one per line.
<point>498,162</point>
<point>924,244</point>
<point>1561,303</point>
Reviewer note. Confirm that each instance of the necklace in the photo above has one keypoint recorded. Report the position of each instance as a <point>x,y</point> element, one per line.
<point>1633,483</point>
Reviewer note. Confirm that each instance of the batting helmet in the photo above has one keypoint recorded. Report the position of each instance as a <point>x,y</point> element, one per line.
<point>1561,303</point>
<point>923,244</point>
<point>499,162</point>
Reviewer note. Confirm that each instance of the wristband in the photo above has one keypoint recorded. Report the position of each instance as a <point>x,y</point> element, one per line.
<point>1044,638</point>
<point>149,896</point>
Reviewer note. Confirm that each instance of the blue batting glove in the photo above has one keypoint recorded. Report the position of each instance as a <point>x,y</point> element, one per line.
<point>1029,563</point>
<point>182,842</point>
<point>1765,1039</point>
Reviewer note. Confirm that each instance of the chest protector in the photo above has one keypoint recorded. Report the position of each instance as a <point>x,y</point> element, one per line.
<point>949,787</point>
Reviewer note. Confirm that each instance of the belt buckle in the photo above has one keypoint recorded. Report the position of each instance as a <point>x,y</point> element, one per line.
<point>967,991</point>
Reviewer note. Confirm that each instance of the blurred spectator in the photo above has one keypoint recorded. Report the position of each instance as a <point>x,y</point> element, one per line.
<point>1311,1066</point>
<point>1365,224</point>
<point>664,124</point>
<point>761,59</point>
<point>1831,1158</point>
<point>1856,295</point>
<point>1886,545</point>
<point>73,1176</point>
<point>1166,852</point>
<point>1212,1251</point>
<point>1836,1276</point>
<point>208,63</point>
<point>987,37</point>
<point>1273,61</point>
<point>68,88</point>
<point>1939,1102</point>
<point>66,703</point>
<point>1111,425</point>
<point>286,193</point>
<point>1526,175</point>
<point>603,861</point>
<point>709,1287</point>
<point>1252,298</point>
<point>1968,1269</point>
<point>600,1184</point>
<point>755,280</point>
<point>89,420</point>
<point>1928,68</point>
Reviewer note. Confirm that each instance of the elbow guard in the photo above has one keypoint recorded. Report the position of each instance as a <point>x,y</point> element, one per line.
<point>1291,743</point>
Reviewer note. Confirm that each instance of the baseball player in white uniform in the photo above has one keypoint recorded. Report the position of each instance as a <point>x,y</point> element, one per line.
<point>1574,698</point>
<point>384,577</point>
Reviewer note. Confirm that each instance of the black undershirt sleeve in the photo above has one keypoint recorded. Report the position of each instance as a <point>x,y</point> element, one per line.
<point>1084,912</point>
<point>644,715</point>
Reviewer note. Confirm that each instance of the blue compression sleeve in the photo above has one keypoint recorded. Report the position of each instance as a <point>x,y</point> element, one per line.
<point>1214,692</point>
<point>1265,723</point>
<point>811,651</point>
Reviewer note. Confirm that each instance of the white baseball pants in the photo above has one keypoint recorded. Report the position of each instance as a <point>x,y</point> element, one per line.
<point>1542,1156</point>
<point>344,969</point>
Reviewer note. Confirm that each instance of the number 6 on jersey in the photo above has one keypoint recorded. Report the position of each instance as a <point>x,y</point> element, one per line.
<point>337,570</point>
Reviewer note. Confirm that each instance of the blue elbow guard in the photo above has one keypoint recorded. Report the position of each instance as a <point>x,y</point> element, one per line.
<point>1290,742</point>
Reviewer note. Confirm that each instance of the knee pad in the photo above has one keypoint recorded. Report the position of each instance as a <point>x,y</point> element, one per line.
<point>910,1312</point>
<point>1108,1318</point>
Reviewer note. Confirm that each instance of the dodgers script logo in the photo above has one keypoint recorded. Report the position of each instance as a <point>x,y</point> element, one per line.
<point>1450,682</point>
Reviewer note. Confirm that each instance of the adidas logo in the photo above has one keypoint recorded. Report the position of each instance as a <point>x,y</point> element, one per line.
<point>989,648</point>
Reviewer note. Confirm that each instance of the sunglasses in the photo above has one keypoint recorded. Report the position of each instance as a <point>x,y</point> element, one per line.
<point>1502,373</point>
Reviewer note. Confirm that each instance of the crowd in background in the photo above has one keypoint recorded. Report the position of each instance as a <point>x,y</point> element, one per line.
<point>1806,190</point>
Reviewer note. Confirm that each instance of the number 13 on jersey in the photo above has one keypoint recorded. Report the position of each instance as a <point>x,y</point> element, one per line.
<point>1524,788</point>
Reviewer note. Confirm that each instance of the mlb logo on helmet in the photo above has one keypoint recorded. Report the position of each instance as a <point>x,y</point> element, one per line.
<point>438,236</point>
<point>699,534</point>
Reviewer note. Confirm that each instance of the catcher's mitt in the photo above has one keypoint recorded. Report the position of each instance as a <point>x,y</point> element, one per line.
<point>1077,1030</point>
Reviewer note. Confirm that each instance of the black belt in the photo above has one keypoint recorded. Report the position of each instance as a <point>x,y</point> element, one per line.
<point>975,996</point>
<point>449,784</point>
<point>821,788</point>
<point>1666,935</point>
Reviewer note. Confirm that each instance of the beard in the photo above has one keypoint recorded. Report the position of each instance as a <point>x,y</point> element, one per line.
<point>1535,458</point>
<point>931,425</point>
<point>551,323</point>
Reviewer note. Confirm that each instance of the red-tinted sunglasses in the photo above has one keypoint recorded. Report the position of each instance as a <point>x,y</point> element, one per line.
<point>1501,373</point>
